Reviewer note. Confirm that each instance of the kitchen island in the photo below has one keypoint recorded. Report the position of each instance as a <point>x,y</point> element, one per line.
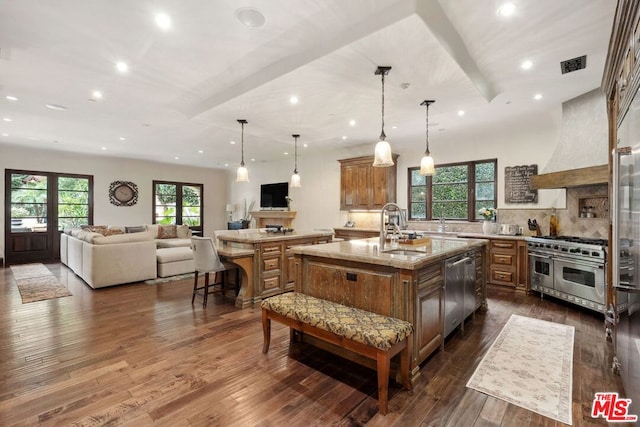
<point>406,282</point>
<point>270,270</point>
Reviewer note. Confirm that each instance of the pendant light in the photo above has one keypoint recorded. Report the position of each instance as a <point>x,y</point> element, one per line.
<point>242,174</point>
<point>295,178</point>
<point>382,154</point>
<point>426,164</point>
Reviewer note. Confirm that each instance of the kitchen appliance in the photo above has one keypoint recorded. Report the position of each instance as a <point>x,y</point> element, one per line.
<point>459,292</point>
<point>625,247</point>
<point>508,229</point>
<point>571,268</point>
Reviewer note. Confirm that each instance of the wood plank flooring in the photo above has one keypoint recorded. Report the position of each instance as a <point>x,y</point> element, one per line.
<point>139,354</point>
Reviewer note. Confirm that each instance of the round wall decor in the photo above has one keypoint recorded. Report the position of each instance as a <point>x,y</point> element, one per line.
<point>123,193</point>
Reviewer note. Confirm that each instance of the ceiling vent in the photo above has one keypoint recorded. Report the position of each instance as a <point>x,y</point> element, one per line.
<point>573,64</point>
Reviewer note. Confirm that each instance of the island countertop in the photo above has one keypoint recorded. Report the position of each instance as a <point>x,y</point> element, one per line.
<point>367,251</point>
<point>260,236</point>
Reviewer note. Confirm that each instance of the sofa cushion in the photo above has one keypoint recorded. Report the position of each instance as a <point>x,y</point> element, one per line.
<point>121,238</point>
<point>167,232</point>
<point>165,255</point>
<point>173,243</point>
<point>183,231</point>
<point>135,229</point>
<point>95,228</point>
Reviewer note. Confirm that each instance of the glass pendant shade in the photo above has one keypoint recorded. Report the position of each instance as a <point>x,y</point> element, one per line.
<point>243,174</point>
<point>427,167</point>
<point>295,178</point>
<point>382,154</point>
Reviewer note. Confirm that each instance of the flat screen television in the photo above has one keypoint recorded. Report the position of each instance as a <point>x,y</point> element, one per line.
<point>274,195</point>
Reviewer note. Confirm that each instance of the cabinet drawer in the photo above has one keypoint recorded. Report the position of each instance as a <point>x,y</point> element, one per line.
<point>271,264</point>
<point>271,283</point>
<point>502,276</point>
<point>271,249</point>
<point>503,245</point>
<point>503,259</point>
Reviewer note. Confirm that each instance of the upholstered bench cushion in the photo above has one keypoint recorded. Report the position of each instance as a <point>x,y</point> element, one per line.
<point>173,243</point>
<point>357,325</point>
<point>165,255</point>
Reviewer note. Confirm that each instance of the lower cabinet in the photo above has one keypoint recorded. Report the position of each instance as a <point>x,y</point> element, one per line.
<point>508,263</point>
<point>429,322</point>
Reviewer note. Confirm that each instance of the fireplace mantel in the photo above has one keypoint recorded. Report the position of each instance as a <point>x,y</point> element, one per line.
<point>264,218</point>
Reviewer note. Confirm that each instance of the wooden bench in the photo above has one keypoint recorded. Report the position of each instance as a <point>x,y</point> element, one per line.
<point>368,334</point>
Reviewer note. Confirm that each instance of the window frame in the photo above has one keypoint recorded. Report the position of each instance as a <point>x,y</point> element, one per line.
<point>471,190</point>
<point>179,205</point>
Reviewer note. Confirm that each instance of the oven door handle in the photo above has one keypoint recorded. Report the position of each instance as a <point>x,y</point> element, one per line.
<point>540,255</point>
<point>581,263</point>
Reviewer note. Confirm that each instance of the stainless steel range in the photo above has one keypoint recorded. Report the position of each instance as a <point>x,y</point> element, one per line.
<point>570,268</point>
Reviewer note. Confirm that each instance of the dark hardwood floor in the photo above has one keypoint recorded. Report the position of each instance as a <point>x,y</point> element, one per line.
<point>142,355</point>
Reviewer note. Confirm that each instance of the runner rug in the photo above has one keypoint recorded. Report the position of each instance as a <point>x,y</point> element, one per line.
<point>36,283</point>
<point>530,364</point>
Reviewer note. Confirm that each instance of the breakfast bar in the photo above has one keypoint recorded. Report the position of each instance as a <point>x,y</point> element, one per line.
<point>265,259</point>
<point>410,282</point>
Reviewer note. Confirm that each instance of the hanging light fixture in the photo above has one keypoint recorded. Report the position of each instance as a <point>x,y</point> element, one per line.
<point>426,164</point>
<point>295,178</point>
<point>243,174</point>
<point>382,154</point>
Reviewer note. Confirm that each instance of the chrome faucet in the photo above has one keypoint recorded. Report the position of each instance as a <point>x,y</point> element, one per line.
<point>383,227</point>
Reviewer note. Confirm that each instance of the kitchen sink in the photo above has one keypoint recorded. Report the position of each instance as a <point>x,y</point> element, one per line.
<point>405,252</point>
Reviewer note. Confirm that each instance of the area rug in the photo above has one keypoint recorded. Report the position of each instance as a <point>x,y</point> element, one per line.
<point>530,364</point>
<point>175,278</point>
<point>36,283</point>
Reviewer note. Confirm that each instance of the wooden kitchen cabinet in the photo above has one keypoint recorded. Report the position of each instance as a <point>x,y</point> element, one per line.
<point>364,187</point>
<point>354,233</point>
<point>429,323</point>
<point>508,263</point>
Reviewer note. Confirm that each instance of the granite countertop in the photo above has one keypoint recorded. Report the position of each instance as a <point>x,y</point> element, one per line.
<point>261,236</point>
<point>367,251</point>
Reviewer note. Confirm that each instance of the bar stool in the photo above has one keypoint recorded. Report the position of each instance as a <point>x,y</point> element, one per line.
<point>206,260</point>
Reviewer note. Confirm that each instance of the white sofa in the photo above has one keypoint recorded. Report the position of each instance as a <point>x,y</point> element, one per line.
<point>115,257</point>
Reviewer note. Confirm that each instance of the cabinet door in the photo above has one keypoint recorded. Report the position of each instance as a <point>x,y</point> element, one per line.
<point>348,197</point>
<point>363,183</point>
<point>429,324</point>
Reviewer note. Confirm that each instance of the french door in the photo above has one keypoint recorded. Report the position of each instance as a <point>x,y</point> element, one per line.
<point>38,206</point>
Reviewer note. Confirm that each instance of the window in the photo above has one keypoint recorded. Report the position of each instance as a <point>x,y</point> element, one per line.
<point>178,203</point>
<point>457,191</point>
<point>73,201</point>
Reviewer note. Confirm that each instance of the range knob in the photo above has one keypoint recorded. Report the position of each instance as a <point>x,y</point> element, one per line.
<point>556,247</point>
<point>574,250</point>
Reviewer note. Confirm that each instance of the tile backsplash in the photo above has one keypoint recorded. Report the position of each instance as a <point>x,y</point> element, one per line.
<point>569,221</point>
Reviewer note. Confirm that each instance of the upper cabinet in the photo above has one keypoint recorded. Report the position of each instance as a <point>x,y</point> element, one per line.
<point>364,187</point>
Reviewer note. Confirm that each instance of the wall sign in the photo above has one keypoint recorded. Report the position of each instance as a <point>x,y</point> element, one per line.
<point>516,184</point>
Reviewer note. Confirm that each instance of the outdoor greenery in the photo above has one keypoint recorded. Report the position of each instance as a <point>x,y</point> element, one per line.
<point>446,194</point>
<point>168,205</point>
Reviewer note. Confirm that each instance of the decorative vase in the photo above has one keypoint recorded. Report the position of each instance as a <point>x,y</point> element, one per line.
<point>488,227</point>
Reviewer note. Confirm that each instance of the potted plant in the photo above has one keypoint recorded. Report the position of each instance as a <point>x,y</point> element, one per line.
<point>489,226</point>
<point>246,215</point>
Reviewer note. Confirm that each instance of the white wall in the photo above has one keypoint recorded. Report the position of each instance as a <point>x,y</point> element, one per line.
<point>107,169</point>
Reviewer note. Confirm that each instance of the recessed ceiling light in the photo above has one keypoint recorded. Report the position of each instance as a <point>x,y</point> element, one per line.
<point>294,99</point>
<point>33,138</point>
<point>305,145</point>
<point>461,112</point>
<point>232,142</point>
<point>394,127</point>
<point>5,134</point>
<point>253,160</point>
<point>56,107</point>
<point>103,148</point>
<point>11,98</point>
<point>96,94</point>
<point>344,136</point>
<point>122,67</point>
<point>506,9</point>
<point>352,122</point>
<point>177,158</point>
<point>226,164</point>
<point>250,17</point>
<point>163,21</point>
<point>201,151</point>
<point>537,96</point>
<point>526,64</point>
<point>286,154</point>
<point>122,138</point>
<point>7,119</point>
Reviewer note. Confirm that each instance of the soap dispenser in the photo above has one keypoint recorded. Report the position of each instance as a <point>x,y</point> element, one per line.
<point>553,223</point>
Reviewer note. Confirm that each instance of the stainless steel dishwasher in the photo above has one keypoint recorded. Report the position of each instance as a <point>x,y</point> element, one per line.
<point>459,292</point>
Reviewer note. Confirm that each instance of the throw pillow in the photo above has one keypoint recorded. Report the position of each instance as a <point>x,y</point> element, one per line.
<point>112,231</point>
<point>102,229</point>
<point>183,231</point>
<point>167,232</point>
<point>135,229</point>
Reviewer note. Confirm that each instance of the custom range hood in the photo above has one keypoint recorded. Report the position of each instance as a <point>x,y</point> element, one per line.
<point>592,175</point>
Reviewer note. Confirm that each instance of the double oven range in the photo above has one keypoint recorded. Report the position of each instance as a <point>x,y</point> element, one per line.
<point>572,269</point>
